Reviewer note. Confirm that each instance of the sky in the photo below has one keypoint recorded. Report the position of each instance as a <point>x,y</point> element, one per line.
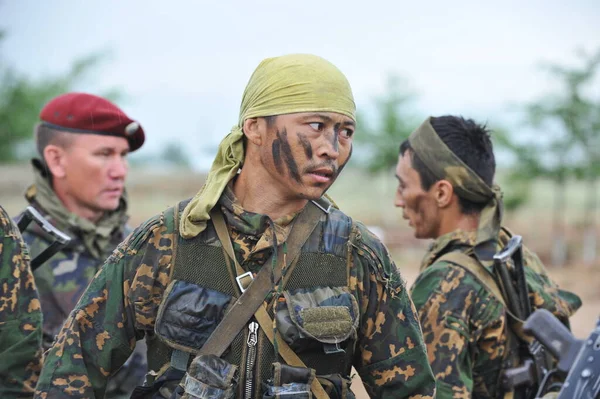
<point>183,65</point>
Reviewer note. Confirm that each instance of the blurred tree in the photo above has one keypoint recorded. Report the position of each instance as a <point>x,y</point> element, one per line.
<point>568,146</point>
<point>22,98</point>
<point>174,154</point>
<point>393,124</point>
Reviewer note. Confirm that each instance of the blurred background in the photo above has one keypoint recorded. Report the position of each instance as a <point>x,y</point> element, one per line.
<point>530,70</point>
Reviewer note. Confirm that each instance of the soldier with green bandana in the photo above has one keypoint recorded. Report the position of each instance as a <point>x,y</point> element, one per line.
<point>79,177</point>
<point>445,173</point>
<point>333,299</point>
<point>20,316</point>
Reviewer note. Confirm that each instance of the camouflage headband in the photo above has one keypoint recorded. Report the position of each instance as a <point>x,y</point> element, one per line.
<point>445,165</point>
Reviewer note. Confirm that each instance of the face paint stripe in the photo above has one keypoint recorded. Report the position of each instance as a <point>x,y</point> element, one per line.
<point>288,156</point>
<point>276,150</point>
<point>306,145</point>
<point>346,162</point>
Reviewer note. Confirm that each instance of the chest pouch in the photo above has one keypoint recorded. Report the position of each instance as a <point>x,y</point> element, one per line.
<point>189,314</point>
<point>323,317</point>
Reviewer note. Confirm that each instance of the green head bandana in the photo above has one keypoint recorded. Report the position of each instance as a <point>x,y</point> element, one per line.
<point>444,164</point>
<point>281,85</point>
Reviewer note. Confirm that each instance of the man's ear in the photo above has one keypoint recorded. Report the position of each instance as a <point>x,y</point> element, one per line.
<point>444,193</point>
<point>54,156</point>
<point>254,129</point>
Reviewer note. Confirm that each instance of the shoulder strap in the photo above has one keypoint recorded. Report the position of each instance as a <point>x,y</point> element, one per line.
<point>476,269</point>
<point>250,300</point>
<point>297,238</point>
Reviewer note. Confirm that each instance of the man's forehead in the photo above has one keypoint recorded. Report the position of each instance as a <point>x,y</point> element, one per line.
<point>96,141</point>
<point>405,170</point>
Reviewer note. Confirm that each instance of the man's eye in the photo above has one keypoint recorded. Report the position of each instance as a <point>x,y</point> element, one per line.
<point>346,133</point>
<point>318,126</point>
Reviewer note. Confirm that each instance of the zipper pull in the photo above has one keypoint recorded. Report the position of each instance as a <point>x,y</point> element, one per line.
<point>253,336</point>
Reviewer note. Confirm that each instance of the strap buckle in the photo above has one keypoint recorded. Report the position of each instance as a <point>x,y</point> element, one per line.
<point>248,277</point>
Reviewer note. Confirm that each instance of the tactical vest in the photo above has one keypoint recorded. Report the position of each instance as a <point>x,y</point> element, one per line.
<point>203,285</point>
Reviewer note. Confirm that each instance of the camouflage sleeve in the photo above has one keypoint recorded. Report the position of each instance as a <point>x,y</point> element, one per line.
<point>20,316</point>
<point>391,358</point>
<point>116,310</point>
<point>456,314</point>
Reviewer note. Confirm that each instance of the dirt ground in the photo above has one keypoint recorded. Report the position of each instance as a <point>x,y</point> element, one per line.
<point>368,200</point>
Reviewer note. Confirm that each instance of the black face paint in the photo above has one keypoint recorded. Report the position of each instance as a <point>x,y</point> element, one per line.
<point>336,134</point>
<point>306,145</point>
<point>288,156</point>
<point>276,150</point>
<point>345,163</point>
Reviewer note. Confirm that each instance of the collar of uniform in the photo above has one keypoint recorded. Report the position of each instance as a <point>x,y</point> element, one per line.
<point>96,237</point>
<point>452,239</point>
<point>253,232</point>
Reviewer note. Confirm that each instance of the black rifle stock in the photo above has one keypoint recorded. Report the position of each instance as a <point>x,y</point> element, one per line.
<point>60,238</point>
<point>533,374</point>
<point>580,359</point>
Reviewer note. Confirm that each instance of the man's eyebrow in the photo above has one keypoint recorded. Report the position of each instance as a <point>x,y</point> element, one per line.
<point>325,118</point>
<point>328,119</point>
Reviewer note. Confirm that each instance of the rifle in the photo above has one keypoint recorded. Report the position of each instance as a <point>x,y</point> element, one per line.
<point>60,238</point>
<point>578,359</point>
<point>534,375</point>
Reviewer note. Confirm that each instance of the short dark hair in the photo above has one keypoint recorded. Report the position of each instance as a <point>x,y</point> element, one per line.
<point>468,141</point>
<point>45,135</point>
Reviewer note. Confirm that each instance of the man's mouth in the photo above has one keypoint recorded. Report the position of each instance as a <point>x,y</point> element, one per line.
<point>322,175</point>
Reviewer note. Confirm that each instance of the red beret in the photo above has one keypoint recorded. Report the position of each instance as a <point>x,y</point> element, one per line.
<point>86,113</point>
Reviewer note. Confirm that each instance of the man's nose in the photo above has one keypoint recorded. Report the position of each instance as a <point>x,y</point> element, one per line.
<point>399,201</point>
<point>329,145</point>
<point>118,168</point>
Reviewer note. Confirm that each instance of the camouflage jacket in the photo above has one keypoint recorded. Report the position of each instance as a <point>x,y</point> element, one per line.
<point>121,305</point>
<point>20,316</point>
<point>465,326</point>
<point>64,277</point>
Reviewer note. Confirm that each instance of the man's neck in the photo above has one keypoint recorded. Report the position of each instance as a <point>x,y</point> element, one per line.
<point>258,194</point>
<point>460,222</point>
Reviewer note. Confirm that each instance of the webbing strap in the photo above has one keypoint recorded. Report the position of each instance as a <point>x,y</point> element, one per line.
<point>477,269</point>
<point>307,221</point>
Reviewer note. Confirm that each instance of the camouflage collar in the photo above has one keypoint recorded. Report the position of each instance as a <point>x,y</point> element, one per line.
<point>96,237</point>
<point>256,228</point>
<point>456,238</point>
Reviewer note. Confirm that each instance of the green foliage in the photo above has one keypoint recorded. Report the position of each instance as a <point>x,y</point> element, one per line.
<point>394,123</point>
<point>567,144</point>
<point>22,98</point>
<point>174,154</point>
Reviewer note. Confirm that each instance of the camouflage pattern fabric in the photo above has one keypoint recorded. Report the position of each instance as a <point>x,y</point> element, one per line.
<point>465,326</point>
<point>121,304</point>
<point>20,316</point>
<point>64,277</point>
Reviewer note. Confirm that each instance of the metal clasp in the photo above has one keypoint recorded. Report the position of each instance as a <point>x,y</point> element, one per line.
<point>243,286</point>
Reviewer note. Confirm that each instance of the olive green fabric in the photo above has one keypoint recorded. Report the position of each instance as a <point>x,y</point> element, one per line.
<point>280,85</point>
<point>445,165</point>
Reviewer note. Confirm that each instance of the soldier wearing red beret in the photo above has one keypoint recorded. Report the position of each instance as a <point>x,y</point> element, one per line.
<point>83,141</point>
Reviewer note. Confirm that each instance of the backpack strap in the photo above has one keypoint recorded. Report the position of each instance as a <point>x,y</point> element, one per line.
<point>482,274</point>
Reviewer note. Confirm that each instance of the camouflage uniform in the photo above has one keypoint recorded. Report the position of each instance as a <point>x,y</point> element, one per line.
<point>465,326</point>
<point>122,302</point>
<point>64,277</point>
<point>20,316</point>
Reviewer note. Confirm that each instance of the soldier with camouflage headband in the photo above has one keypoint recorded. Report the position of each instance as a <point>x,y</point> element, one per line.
<point>340,301</point>
<point>445,172</point>
<point>20,316</point>
<point>82,141</point>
